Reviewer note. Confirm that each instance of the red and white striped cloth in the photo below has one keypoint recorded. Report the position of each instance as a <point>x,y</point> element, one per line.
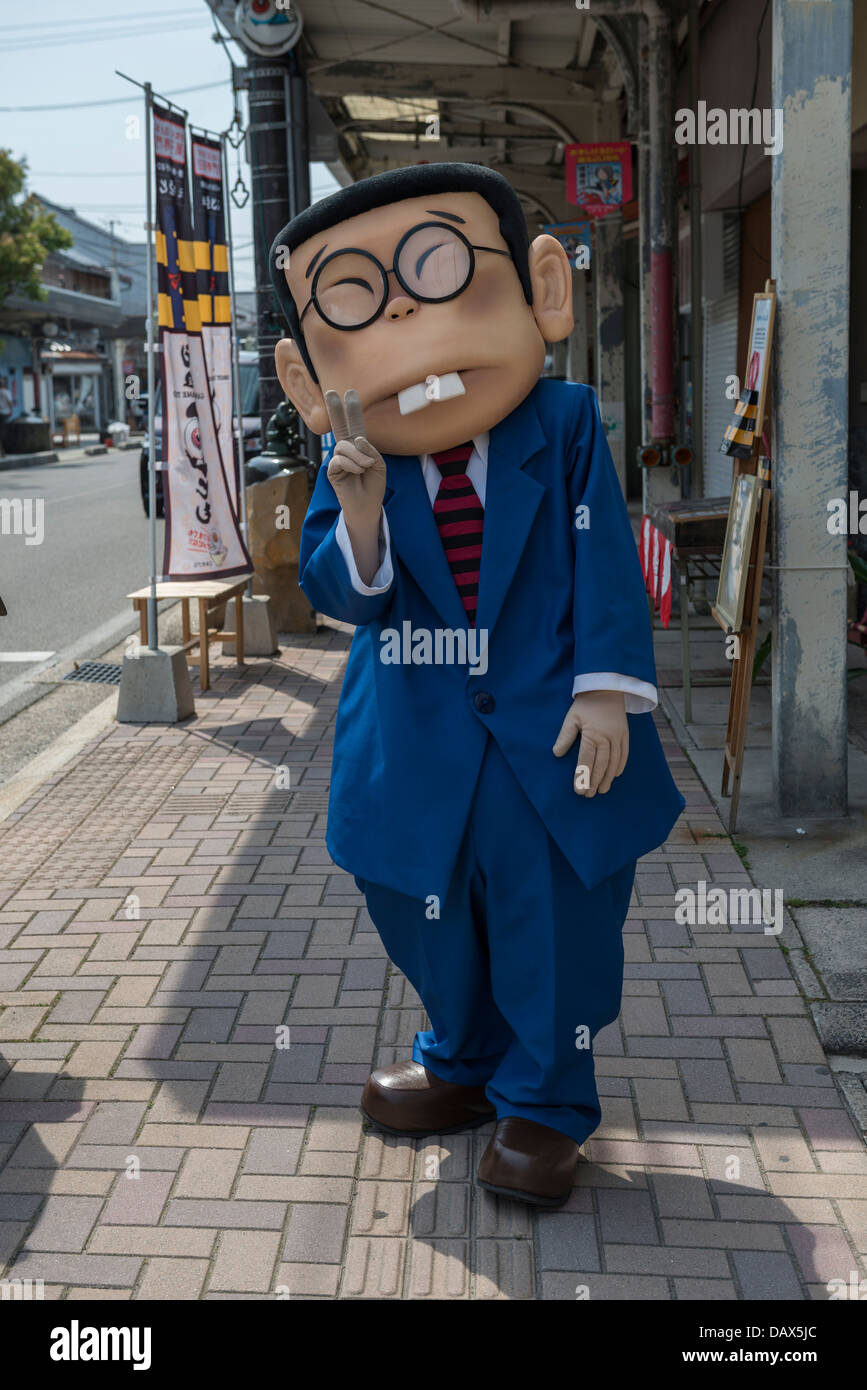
<point>655,554</point>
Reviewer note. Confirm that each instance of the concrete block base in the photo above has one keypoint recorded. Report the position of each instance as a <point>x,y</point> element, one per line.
<point>155,687</point>
<point>260,634</point>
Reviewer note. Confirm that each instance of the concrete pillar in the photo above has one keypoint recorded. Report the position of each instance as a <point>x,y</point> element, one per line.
<point>812,61</point>
<point>610,331</point>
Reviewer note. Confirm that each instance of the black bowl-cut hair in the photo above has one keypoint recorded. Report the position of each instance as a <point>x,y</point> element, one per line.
<point>419,180</point>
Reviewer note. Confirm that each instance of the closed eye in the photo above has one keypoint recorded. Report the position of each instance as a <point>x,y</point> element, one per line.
<point>354,280</point>
<point>424,255</point>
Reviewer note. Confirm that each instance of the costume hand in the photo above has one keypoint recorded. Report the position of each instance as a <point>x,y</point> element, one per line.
<point>600,717</point>
<point>356,470</point>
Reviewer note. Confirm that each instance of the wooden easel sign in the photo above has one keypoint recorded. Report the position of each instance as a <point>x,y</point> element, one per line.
<point>740,580</point>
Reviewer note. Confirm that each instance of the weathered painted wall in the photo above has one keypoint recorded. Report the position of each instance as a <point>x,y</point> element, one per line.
<point>810,253</point>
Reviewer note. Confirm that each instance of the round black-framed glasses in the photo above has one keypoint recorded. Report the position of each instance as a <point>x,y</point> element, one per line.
<point>433,263</point>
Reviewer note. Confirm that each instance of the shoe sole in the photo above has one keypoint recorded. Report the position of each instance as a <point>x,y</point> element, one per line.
<point>533,1199</point>
<point>426,1133</point>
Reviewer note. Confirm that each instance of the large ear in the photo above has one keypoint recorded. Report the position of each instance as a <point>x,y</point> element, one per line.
<point>300,387</point>
<point>551,278</point>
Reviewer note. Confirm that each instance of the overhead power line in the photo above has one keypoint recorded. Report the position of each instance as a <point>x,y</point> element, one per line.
<point>65,40</point>
<point>84,174</point>
<point>99,20</point>
<point>116,101</point>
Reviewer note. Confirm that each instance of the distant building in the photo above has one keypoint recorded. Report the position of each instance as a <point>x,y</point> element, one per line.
<point>70,353</point>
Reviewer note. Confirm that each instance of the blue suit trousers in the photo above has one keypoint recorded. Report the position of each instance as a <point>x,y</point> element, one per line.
<point>521,967</point>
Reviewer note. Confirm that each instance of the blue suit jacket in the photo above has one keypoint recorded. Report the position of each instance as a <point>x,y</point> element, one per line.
<point>557,602</point>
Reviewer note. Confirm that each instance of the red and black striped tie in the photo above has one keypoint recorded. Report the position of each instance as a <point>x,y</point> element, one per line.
<point>459,516</point>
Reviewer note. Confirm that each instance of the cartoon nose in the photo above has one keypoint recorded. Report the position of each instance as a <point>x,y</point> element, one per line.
<point>400,307</point>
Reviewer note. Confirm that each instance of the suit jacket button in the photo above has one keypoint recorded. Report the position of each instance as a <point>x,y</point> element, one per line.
<point>484,702</point>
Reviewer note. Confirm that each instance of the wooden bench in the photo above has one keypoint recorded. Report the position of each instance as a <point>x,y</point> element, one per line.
<point>209,594</point>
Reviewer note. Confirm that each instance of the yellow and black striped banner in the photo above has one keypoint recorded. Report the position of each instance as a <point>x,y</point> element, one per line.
<point>210,253</point>
<point>176,279</point>
<point>741,433</point>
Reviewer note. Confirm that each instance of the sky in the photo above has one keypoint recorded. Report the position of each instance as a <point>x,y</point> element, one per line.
<point>81,156</point>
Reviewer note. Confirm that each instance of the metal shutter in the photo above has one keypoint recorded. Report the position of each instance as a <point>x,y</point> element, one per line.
<point>720,361</point>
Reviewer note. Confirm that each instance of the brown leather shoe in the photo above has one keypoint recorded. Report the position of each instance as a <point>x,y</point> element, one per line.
<point>408,1099</point>
<point>529,1162</point>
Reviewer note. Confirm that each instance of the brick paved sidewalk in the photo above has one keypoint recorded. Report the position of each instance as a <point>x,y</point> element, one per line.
<point>165,904</point>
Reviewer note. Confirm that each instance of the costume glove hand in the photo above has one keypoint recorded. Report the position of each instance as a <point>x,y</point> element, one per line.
<point>356,470</point>
<point>600,718</point>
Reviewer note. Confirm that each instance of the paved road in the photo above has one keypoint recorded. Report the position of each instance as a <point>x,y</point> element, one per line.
<point>66,595</point>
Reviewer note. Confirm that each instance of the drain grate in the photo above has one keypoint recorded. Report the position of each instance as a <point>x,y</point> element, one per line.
<point>99,672</point>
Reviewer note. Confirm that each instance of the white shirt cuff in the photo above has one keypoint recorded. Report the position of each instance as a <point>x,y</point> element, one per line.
<point>384,575</point>
<point>641,696</point>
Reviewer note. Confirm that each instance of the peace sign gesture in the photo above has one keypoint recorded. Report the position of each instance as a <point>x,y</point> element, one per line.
<point>356,470</point>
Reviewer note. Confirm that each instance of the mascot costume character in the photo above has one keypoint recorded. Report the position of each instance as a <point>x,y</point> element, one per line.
<point>471,526</point>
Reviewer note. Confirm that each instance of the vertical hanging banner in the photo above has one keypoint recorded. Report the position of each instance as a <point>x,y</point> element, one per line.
<point>203,539</point>
<point>599,177</point>
<point>211,257</point>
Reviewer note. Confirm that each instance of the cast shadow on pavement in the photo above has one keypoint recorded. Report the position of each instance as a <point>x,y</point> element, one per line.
<point>41,1113</point>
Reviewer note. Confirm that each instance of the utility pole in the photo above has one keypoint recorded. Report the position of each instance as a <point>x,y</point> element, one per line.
<point>298,148</point>
<point>267,151</point>
<point>278,154</point>
<point>277,149</point>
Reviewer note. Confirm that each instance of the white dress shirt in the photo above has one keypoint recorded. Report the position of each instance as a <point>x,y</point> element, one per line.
<point>641,696</point>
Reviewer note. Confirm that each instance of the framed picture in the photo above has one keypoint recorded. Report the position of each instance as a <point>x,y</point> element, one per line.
<point>737,548</point>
